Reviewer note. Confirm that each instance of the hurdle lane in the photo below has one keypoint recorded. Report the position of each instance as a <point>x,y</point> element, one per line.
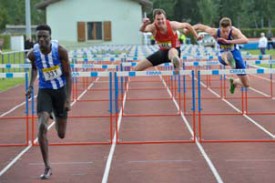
<point>79,166</point>
<point>158,162</point>
<point>163,161</point>
<point>241,161</point>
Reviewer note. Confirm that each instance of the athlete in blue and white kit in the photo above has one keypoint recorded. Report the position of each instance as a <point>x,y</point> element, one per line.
<point>228,37</point>
<point>51,62</point>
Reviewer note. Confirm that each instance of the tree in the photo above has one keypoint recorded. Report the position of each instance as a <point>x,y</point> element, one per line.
<point>209,11</point>
<point>14,13</point>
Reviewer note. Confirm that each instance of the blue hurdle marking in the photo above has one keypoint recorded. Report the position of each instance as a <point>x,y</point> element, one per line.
<point>93,66</point>
<point>12,75</point>
<point>237,71</point>
<point>90,74</point>
<point>152,73</point>
<point>10,66</point>
<point>257,62</point>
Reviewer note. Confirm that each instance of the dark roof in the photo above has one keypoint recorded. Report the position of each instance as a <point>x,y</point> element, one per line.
<point>146,4</point>
<point>43,4</point>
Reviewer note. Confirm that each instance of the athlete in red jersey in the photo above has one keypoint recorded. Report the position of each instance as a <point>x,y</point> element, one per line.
<point>166,36</point>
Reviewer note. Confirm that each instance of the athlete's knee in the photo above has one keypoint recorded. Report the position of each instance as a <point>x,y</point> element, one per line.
<point>246,85</point>
<point>42,130</point>
<point>61,134</point>
<point>136,68</point>
<point>61,127</point>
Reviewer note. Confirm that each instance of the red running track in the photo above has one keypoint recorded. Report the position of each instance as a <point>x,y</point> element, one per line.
<point>123,163</point>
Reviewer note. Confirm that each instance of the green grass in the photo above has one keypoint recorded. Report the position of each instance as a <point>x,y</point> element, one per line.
<point>6,84</point>
<point>13,58</point>
<point>268,52</point>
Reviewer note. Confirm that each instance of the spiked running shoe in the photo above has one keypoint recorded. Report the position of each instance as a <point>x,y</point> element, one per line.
<point>47,173</point>
<point>232,86</point>
<point>176,64</point>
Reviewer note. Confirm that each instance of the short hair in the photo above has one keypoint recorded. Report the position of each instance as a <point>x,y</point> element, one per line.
<point>225,22</point>
<point>158,12</point>
<point>44,27</point>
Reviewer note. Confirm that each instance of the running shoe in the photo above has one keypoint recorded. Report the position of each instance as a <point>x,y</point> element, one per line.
<point>176,64</point>
<point>47,173</point>
<point>232,86</point>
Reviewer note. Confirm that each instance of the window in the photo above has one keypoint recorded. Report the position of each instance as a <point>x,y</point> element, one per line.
<point>91,31</point>
<point>94,30</point>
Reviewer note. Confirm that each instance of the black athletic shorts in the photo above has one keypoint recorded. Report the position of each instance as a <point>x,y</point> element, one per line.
<point>50,100</point>
<point>160,57</point>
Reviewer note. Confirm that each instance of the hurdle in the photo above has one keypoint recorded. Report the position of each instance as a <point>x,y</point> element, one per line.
<point>269,64</point>
<point>100,117</point>
<point>81,85</point>
<point>10,120</point>
<point>125,97</point>
<point>244,119</point>
<point>174,83</point>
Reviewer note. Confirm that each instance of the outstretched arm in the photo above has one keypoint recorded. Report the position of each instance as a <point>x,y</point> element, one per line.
<point>206,28</point>
<point>146,25</point>
<point>186,27</point>
<point>238,36</point>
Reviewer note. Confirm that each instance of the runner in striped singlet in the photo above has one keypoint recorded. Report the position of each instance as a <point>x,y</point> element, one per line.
<point>51,62</point>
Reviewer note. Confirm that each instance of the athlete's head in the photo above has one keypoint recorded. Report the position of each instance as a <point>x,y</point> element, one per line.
<point>43,34</point>
<point>225,25</point>
<point>159,17</point>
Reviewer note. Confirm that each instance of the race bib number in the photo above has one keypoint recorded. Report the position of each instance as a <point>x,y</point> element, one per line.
<point>165,45</point>
<point>52,72</point>
<point>227,47</point>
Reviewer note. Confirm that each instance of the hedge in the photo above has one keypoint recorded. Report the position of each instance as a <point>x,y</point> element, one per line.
<point>6,39</point>
<point>255,33</point>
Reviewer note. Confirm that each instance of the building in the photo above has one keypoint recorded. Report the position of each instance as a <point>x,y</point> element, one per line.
<point>96,21</point>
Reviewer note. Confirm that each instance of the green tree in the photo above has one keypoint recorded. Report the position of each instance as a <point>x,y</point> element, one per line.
<point>209,11</point>
<point>13,12</point>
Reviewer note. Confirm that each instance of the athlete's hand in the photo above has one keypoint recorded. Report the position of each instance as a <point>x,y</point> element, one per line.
<point>185,31</point>
<point>146,21</point>
<point>220,39</point>
<point>68,105</point>
<point>29,92</point>
<point>200,37</point>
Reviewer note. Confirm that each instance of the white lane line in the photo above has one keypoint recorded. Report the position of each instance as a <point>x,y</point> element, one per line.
<point>204,154</point>
<point>14,160</point>
<point>112,150</point>
<point>13,109</point>
<point>259,92</point>
<point>246,116</point>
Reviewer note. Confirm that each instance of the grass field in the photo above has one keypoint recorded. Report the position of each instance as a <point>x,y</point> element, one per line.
<point>6,84</point>
<point>13,58</point>
<point>268,52</point>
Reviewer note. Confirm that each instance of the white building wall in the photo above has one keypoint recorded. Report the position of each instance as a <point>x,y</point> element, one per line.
<point>125,15</point>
